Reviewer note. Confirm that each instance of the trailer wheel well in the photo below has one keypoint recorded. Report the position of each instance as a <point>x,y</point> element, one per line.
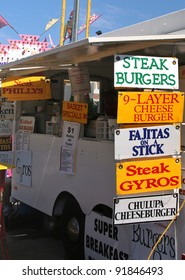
<point>103,209</point>
<point>61,201</point>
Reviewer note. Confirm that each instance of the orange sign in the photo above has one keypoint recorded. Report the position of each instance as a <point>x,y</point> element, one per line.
<point>75,112</point>
<point>148,176</point>
<point>30,88</point>
<point>150,107</point>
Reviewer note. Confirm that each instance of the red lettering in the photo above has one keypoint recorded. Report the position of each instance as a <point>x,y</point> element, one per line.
<point>131,186</point>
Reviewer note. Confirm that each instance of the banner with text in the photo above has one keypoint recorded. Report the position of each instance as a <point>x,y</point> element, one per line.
<point>23,169</point>
<point>70,136</point>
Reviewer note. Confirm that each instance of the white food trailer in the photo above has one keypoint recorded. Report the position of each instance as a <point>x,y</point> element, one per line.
<point>103,157</point>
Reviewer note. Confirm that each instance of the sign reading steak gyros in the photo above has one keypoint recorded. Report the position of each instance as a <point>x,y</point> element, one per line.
<point>148,176</point>
<point>150,107</point>
<point>148,141</point>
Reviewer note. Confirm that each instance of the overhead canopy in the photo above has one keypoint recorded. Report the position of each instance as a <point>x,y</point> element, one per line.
<point>97,52</point>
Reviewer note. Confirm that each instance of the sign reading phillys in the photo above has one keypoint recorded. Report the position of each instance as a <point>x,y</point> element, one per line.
<point>146,72</point>
<point>29,88</point>
<point>148,176</point>
<point>151,141</point>
<point>150,107</point>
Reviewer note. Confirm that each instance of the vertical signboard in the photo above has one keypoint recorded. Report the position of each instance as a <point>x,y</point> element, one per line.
<point>70,137</point>
<point>23,170</point>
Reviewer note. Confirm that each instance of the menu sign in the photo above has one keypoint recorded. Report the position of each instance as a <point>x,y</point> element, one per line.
<point>150,107</point>
<point>74,112</point>
<point>148,176</point>
<point>151,141</point>
<point>145,209</point>
<point>146,72</point>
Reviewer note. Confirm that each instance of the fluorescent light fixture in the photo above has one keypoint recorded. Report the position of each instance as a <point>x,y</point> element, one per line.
<point>26,68</point>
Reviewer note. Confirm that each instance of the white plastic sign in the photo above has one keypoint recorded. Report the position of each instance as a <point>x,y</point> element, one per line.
<point>23,169</point>
<point>146,72</point>
<point>145,209</point>
<point>148,141</point>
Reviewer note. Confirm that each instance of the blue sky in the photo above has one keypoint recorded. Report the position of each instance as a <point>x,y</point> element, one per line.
<point>31,17</point>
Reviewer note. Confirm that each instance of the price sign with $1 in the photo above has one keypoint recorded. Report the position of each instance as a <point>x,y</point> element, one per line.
<point>70,134</point>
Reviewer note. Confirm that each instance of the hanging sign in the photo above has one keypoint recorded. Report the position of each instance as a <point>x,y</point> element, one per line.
<point>80,81</point>
<point>70,135</point>
<point>148,141</point>
<point>145,209</point>
<point>75,112</point>
<point>27,123</point>
<point>6,112</point>
<point>146,72</point>
<point>150,107</point>
<point>23,169</point>
<point>148,176</point>
<point>6,127</point>
<point>30,88</point>
<point>6,159</point>
<point>25,128</point>
<point>6,154</point>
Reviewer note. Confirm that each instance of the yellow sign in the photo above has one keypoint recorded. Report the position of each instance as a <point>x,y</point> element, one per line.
<point>150,107</point>
<point>148,176</point>
<point>74,112</point>
<point>5,166</point>
<point>30,88</point>
<point>5,143</point>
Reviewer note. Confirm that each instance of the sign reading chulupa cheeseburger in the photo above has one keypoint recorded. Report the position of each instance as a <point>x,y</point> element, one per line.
<point>148,176</point>
<point>146,72</point>
<point>144,209</point>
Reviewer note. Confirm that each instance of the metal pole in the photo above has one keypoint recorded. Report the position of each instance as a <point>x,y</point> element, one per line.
<point>75,21</point>
<point>88,18</point>
<point>62,26</point>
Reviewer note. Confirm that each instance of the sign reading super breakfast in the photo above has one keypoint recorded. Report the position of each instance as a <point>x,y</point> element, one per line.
<point>146,72</point>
